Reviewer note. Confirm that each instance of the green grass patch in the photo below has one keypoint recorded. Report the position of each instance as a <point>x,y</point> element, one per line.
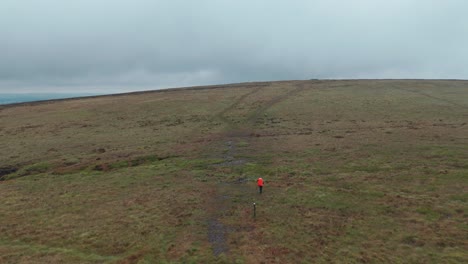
<point>37,168</point>
<point>242,144</point>
<point>429,213</point>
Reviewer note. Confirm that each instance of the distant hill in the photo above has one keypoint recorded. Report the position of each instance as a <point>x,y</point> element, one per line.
<point>11,98</point>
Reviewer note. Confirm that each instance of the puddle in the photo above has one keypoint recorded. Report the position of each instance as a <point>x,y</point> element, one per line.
<point>217,233</point>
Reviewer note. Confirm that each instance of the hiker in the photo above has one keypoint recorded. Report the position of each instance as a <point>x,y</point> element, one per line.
<point>260,184</point>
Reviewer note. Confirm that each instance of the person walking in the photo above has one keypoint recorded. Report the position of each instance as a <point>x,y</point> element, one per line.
<point>260,185</point>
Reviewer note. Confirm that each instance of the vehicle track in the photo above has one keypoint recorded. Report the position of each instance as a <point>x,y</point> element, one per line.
<point>432,97</point>
<point>221,115</point>
<point>276,100</point>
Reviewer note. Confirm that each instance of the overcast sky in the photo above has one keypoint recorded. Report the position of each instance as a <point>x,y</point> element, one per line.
<point>128,45</point>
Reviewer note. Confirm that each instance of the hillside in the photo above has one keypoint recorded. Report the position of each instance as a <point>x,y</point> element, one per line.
<point>355,171</point>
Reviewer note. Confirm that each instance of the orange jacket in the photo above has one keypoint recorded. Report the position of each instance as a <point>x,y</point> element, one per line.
<point>260,182</point>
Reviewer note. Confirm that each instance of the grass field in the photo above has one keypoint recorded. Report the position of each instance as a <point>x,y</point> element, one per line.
<point>361,171</point>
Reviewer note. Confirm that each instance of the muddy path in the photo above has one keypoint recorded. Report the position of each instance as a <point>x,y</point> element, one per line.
<point>224,202</point>
<point>222,205</point>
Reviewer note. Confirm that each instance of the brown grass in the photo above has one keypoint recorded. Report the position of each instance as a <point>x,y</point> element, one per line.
<point>355,171</point>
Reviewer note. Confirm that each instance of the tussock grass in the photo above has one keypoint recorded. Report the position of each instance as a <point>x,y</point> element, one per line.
<point>355,171</point>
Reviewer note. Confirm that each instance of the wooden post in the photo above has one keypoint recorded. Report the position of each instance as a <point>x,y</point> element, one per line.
<point>255,209</point>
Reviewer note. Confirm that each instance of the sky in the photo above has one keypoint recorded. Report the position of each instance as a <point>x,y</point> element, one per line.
<point>108,46</point>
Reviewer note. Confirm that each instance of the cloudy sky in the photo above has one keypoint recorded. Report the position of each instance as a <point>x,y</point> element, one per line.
<point>128,45</point>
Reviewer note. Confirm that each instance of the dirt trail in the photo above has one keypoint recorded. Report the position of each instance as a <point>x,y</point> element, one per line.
<point>222,202</point>
<point>217,235</point>
<point>221,115</point>
<point>278,99</point>
<point>222,205</point>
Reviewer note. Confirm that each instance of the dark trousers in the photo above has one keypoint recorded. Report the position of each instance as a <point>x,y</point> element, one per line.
<point>260,188</point>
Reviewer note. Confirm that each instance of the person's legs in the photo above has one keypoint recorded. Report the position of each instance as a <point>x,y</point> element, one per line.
<point>260,187</point>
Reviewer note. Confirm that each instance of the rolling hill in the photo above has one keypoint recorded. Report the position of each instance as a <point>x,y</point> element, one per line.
<point>355,171</point>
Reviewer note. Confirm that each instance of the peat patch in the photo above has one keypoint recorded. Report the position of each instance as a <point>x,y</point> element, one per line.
<point>4,171</point>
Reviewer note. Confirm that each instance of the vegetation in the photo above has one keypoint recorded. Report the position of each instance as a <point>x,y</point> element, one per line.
<point>355,171</point>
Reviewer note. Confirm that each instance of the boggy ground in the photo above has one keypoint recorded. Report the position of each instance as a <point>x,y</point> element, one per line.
<point>355,171</point>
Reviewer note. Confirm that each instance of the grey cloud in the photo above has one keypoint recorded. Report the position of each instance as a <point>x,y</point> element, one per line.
<point>116,45</point>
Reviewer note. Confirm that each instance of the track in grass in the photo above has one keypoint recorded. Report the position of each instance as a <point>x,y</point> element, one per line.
<point>222,202</point>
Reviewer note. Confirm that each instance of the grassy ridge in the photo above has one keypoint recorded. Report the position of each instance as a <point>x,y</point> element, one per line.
<point>356,171</point>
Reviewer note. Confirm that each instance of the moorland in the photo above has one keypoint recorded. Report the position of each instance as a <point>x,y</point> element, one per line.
<point>356,171</point>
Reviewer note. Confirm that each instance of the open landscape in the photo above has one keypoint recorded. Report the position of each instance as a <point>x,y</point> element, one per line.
<point>356,171</point>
